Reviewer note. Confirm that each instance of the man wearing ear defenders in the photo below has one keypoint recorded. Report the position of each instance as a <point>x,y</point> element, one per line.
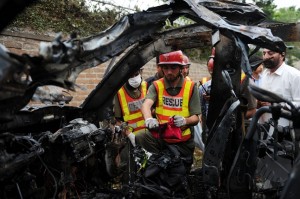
<point>280,79</point>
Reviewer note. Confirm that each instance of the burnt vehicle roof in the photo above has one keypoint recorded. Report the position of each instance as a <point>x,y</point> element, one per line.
<point>140,35</point>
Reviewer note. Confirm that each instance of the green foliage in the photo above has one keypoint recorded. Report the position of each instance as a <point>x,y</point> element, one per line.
<point>287,15</point>
<point>267,6</point>
<point>65,16</point>
<point>198,54</point>
<point>290,15</point>
<point>293,53</point>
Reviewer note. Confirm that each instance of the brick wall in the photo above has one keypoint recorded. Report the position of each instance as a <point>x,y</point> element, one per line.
<point>20,43</point>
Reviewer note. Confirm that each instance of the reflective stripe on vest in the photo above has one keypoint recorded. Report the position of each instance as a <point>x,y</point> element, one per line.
<point>243,77</point>
<point>131,108</point>
<point>168,105</point>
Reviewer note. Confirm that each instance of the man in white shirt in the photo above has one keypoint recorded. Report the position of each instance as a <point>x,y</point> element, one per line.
<point>280,79</point>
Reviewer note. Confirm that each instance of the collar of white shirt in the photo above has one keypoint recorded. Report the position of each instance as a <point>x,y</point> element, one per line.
<point>279,70</point>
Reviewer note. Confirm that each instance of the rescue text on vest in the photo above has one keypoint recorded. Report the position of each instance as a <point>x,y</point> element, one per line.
<point>172,102</point>
<point>135,105</point>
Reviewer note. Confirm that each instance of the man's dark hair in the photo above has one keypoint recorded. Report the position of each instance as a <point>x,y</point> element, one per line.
<point>255,61</point>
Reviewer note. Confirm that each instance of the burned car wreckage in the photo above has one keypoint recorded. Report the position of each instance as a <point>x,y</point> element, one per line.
<point>63,151</point>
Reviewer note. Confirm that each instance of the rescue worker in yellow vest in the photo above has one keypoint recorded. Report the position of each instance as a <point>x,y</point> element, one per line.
<point>127,108</point>
<point>173,96</point>
<point>186,67</point>
<point>128,102</point>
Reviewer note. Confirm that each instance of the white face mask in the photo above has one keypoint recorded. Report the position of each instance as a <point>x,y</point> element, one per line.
<point>135,81</point>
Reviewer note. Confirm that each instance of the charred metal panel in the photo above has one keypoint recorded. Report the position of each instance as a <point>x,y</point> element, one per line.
<point>227,58</point>
<point>241,13</point>
<point>16,153</point>
<point>219,137</point>
<point>129,30</point>
<point>251,34</point>
<point>194,36</point>
<point>289,32</point>
<point>35,120</point>
<point>73,139</point>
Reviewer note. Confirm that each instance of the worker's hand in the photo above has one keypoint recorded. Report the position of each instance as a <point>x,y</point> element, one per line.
<point>151,123</point>
<point>179,121</point>
<point>206,97</point>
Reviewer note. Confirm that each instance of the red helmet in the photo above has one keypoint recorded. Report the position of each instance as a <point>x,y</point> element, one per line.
<point>175,57</point>
<point>210,62</point>
<point>186,60</point>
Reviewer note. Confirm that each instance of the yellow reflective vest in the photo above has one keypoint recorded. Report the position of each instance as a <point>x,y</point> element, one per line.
<point>131,108</point>
<point>168,105</point>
